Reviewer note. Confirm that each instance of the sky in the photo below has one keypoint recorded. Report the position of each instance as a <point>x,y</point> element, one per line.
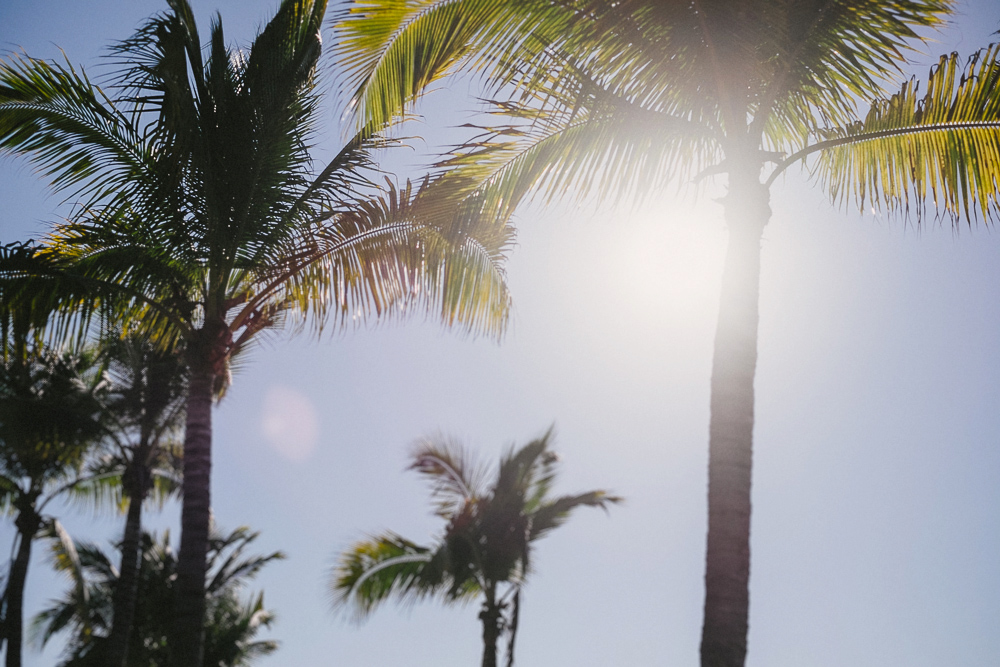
<point>876,468</point>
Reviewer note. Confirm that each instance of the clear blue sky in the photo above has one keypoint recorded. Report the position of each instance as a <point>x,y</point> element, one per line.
<point>877,467</point>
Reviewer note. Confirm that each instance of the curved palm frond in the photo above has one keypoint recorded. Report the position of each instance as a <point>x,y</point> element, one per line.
<point>73,132</point>
<point>940,148</point>
<point>383,256</point>
<point>100,490</point>
<point>392,51</point>
<point>576,154</point>
<point>227,560</point>
<point>60,287</point>
<point>382,567</point>
<point>456,477</point>
<point>553,513</point>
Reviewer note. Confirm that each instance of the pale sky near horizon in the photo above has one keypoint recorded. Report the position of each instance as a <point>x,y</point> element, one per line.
<point>877,465</point>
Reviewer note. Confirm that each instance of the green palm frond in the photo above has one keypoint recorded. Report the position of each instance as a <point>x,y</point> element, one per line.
<point>939,149</point>
<point>575,154</point>
<point>73,132</point>
<point>391,51</point>
<point>383,567</point>
<point>382,257</point>
<point>61,287</point>
<point>100,490</point>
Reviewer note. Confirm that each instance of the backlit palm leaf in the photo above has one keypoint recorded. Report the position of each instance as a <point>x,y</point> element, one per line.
<point>940,147</point>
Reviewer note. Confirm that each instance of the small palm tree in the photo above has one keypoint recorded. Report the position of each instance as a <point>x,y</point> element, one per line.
<point>486,547</point>
<point>51,408</point>
<point>86,611</point>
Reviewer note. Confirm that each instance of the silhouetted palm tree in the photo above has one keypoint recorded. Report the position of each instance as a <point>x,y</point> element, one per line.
<point>143,454</point>
<point>486,548</point>
<point>51,414</point>
<point>87,609</point>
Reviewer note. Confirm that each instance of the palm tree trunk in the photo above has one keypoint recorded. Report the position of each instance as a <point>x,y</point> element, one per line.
<point>27,524</point>
<point>727,571</point>
<point>127,587</point>
<point>490,616</point>
<point>186,645</point>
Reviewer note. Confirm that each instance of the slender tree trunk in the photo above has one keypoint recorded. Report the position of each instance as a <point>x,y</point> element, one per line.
<point>186,644</point>
<point>27,523</point>
<point>727,572</point>
<point>127,587</point>
<point>490,616</point>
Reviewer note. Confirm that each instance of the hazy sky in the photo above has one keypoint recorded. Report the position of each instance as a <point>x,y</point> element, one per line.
<point>877,466</point>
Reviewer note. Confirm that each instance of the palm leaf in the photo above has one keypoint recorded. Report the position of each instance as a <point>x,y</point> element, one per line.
<point>456,477</point>
<point>73,132</point>
<point>553,513</point>
<point>939,149</point>
<point>384,566</point>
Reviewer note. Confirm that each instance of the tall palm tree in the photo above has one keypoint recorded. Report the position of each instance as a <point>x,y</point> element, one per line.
<point>50,416</point>
<point>202,221</point>
<point>486,547</point>
<point>87,610</point>
<point>611,97</point>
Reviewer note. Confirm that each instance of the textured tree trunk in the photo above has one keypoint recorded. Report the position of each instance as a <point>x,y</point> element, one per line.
<point>27,523</point>
<point>490,616</point>
<point>127,587</point>
<point>727,571</point>
<point>186,644</point>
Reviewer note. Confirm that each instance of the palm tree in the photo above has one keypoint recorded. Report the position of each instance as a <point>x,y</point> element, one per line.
<point>87,610</point>
<point>201,220</point>
<point>50,415</point>
<point>612,97</point>
<point>486,547</point>
<point>146,401</point>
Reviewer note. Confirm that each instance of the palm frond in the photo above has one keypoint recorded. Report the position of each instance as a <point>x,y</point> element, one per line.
<point>456,477</point>
<point>553,513</point>
<point>392,51</point>
<point>939,149</point>
<point>67,126</point>
<point>227,563</point>
<point>383,257</point>
<point>384,566</point>
<point>100,491</point>
<point>576,154</point>
<point>820,57</point>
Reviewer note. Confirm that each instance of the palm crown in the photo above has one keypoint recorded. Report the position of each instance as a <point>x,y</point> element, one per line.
<point>487,541</point>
